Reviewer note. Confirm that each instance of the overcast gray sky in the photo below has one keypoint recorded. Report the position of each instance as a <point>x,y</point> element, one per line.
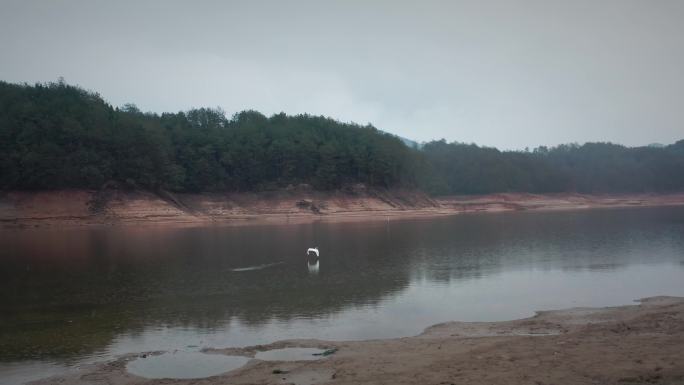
<point>503,73</point>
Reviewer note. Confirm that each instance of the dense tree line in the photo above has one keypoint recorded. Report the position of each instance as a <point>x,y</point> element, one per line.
<point>56,136</point>
<point>457,168</point>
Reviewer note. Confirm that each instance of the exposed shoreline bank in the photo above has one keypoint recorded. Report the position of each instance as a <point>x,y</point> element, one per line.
<point>614,345</point>
<point>88,208</point>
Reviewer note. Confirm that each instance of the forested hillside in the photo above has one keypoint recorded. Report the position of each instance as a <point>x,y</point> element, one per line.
<point>58,136</point>
<point>55,136</point>
<point>590,168</point>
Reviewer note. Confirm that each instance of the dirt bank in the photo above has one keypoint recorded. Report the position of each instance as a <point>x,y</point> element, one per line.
<point>113,206</point>
<point>639,344</point>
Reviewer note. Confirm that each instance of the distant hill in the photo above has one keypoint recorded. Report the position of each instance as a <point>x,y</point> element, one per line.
<point>59,136</point>
<point>56,136</point>
<point>410,143</point>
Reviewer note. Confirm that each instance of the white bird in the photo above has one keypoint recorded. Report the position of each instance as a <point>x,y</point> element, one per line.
<point>312,250</point>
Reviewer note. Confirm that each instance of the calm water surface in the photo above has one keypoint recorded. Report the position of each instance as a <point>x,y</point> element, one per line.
<point>75,296</point>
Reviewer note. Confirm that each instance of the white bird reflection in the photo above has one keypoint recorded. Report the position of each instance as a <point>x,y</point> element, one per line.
<point>313,265</point>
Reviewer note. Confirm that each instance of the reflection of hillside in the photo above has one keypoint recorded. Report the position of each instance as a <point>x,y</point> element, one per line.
<point>71,293</point>
<point>470,247</point>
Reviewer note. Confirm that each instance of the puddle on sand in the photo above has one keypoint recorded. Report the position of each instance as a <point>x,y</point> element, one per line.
<point>290,354</point>
<point>184,365</point>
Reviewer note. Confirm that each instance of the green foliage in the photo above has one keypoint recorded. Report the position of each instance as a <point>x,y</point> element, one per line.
<point>55,136</point>
<point>456,168</point>
<point>59,136</point>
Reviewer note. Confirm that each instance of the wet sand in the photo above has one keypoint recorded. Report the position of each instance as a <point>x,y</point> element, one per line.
<point>92,208</point>
<point>636,344</point>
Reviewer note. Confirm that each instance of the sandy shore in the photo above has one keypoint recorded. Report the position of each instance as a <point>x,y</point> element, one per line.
<point>115,207</point>
<point>638,344</point>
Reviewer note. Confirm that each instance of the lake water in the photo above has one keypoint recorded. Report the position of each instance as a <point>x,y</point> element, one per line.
<point>73,296</point>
